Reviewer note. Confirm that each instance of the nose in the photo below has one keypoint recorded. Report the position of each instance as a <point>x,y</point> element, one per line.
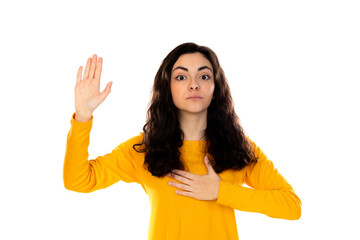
<point>193,85</point>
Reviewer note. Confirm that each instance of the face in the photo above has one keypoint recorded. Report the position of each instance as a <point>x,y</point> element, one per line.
<point>192,83</point>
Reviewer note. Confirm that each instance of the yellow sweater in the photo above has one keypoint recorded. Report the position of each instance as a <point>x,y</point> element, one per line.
<point>175,217</point>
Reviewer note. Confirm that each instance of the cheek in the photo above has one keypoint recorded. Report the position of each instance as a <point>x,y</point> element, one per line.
<point>175,90</point>
<point>210,89</point>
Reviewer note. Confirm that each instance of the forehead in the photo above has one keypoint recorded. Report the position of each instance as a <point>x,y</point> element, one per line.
<point>192,60</point>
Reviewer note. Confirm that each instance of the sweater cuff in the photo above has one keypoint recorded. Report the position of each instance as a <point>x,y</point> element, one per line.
<point>81,125</point>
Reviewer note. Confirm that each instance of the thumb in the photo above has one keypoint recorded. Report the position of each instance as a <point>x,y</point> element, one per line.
<point>106,91</point>
<point>208,165</point>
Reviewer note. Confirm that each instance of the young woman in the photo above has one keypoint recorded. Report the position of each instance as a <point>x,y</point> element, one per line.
<point>192,157</point>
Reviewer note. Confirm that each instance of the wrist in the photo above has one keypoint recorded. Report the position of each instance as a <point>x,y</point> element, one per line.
<point>83,117</point>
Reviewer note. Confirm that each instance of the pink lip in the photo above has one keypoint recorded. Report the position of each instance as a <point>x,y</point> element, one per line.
<point>194,97</point>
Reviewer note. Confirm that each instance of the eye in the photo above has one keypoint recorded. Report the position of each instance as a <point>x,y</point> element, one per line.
<point>180,77</point>
<point>205,77</point>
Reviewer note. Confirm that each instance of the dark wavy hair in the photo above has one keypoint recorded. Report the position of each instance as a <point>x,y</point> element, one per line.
<point>226,142</point>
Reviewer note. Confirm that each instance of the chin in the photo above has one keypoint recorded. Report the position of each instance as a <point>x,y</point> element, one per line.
<point>193,111</point>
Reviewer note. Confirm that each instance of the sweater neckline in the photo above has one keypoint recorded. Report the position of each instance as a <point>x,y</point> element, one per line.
<point>194,140</point>
<point>194,143</point>
<point>193,147</point>
<point>193,151</point>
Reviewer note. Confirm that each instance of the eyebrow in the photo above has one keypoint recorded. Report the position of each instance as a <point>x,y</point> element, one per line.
<point>185,69</point>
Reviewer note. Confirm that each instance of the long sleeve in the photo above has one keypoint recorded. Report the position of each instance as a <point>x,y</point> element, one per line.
<point>270,193</point>
<point>83,175</point>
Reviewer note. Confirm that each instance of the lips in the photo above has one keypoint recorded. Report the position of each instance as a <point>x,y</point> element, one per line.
<point>194,97</point>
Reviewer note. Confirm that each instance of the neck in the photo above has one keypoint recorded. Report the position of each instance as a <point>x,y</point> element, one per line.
<point>193,125</point>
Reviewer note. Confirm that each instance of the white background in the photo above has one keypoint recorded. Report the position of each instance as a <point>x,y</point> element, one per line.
<point>293,70</point>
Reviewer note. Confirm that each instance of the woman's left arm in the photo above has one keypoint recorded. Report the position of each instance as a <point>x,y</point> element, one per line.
<point>270,193</point>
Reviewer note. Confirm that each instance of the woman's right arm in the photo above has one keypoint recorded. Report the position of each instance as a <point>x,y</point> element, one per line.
<point>83,175</point>
<point>79,173</point>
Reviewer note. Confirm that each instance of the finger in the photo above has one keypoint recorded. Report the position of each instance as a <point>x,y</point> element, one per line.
<point>98,69</point>
<point>180,186</point>
<point>106,91</point>
<point>186,194</point>
<point>78,78</point>
<point>87,68</point>
<point>93,66</point>
<point>181,179</point>
<point>184,174</point>
<point>208,165</point>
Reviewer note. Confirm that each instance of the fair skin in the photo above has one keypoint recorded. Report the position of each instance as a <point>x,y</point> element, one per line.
<point>87,94</point>
<point>200,187</point>
<point>189,79</point>
<point>192,86</point>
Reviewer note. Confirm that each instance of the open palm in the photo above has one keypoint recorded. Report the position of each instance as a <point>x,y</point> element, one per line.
<point>87,90</point>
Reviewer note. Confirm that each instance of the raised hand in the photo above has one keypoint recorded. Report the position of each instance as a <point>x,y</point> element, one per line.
<point>87,89</point>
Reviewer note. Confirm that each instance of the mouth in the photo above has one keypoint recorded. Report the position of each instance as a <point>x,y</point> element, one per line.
<point>194,97</point>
